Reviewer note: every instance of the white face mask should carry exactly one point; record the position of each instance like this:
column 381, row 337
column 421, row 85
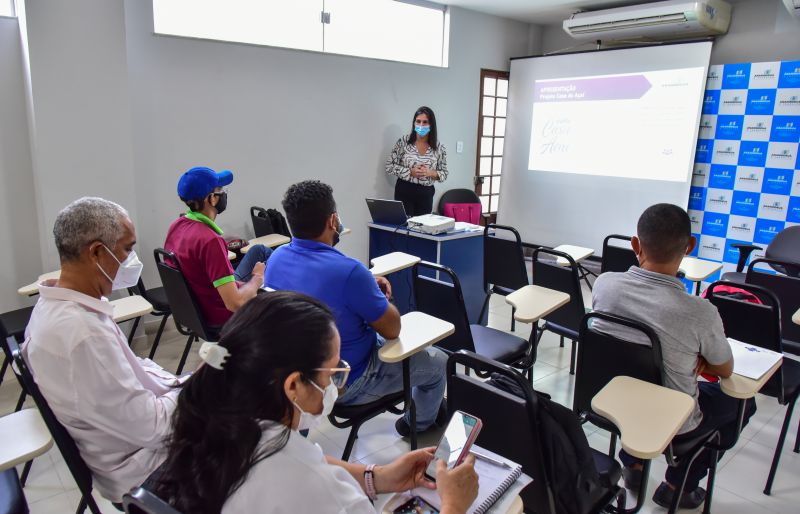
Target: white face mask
column 128, row 273
column 329, row 396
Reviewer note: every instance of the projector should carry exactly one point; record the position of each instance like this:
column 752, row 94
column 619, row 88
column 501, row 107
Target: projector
column 431, row 223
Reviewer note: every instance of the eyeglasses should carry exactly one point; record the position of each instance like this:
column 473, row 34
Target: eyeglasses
column 220, row 193
column 339, row 373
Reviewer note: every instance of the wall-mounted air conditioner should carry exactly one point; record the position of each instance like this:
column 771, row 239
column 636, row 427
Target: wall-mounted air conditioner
column 793, row 6
column 673, row 19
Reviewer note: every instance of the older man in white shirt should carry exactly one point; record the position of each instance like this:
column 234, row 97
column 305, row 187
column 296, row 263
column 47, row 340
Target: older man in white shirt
column 117, row 407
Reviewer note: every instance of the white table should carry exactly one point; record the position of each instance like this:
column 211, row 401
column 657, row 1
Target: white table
column 578, row 253
column 130, row 307
column 270, row 241
column 392, row 262
column 796, row 317
column 33, row 288
column 24, row 436
column 648, row 416
column 696, row 270
column 418, row 331
column 231, row 255
column 531, row 303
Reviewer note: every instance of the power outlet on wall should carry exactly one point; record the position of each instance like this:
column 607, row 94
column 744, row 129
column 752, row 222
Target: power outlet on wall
column 459, row 146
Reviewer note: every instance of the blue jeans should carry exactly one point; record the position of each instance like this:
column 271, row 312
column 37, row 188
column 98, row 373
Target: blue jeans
column 719, row 413
column 256, row 253
column 382, row 378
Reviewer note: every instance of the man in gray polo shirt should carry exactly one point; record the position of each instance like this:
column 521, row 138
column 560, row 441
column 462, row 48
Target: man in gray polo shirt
column 690, row 332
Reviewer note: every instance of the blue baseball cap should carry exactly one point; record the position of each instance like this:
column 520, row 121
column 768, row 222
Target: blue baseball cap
column 198, row 182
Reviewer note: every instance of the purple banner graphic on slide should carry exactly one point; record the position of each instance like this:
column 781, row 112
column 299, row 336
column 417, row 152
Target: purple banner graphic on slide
column 625, row 87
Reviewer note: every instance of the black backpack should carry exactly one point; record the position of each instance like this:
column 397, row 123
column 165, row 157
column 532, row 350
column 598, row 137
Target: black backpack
column 279, row 225
column 568, row 458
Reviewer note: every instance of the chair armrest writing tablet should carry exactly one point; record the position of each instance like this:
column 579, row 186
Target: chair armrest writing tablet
column 535, row 302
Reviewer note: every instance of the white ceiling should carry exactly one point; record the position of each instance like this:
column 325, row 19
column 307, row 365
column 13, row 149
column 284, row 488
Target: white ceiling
column 541, row 12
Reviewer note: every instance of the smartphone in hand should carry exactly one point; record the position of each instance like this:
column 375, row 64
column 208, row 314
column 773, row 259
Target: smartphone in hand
column 456, row 441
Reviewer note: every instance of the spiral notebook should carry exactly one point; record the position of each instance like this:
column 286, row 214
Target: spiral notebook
column 493, row 481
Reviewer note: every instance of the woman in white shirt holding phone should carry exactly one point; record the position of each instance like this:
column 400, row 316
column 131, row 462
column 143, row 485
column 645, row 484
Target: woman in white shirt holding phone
column 235, row 447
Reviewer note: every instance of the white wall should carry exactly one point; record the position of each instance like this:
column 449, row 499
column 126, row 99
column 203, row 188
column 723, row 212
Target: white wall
column 19, row 229
column 277, row 116
column 761, row 30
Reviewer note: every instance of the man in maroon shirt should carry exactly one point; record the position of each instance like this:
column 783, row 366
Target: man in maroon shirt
column 196, row 240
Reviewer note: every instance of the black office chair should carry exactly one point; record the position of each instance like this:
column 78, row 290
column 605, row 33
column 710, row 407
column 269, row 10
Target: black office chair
column 262, row 226
column 142, row 501
column 566, row 320
column 602, row 357
column 353, row 416
column 504, row 268
column 66, row 445
column 760, row 325
column 157, row 297
column 12, row 497
column 784, row 247
column 787, row 289
column 444, row 300
column 13, row 324
column 457, row 196
column 511, row 428
column 617, row 258
column 185, row 311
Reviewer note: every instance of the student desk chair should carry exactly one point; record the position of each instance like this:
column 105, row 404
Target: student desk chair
column 578, row 254
column 796, row 317
column 270, row 241
column 697, row 270
column 418, row 331
column 392, row 262
column 33, row 288
column 25, row 437
column 531, row 303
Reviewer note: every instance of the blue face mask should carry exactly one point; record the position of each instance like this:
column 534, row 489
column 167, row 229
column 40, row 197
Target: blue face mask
column 422, row 130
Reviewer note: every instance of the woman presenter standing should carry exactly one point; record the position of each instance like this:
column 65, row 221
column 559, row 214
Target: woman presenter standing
column 418, row 160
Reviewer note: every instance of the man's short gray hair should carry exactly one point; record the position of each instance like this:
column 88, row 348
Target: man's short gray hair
column 85, row 221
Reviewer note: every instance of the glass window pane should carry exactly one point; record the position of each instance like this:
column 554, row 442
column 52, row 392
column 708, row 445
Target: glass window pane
column 484, row 203
column 501, row 106
column 486, row 163
column 263, row 22
column 383, row 29
column 502, row 87
column 486, row 146
column 489, row 84
column 497, row 165
column 488, row 106
column 7, row 8
column 500, row 127
column 495, row 185
column 488, row 126
column 498, row 145
column 495, row 201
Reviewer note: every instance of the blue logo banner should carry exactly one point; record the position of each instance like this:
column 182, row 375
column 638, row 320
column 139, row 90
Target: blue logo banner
column 777, row 181
column 789, row 75
column 722, row 176
column 736, row 76
column 760, row 101
column 745, row 203
column 729, row 126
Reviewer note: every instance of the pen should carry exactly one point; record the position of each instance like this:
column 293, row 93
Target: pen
column 494, row 461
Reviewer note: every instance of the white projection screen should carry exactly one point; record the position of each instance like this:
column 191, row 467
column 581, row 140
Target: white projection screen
column 594, row 138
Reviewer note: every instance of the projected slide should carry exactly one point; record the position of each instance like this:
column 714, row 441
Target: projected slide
column 637, row 125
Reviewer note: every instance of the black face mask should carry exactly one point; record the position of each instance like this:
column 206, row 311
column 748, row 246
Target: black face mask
column 222, row 204
column 339, row 230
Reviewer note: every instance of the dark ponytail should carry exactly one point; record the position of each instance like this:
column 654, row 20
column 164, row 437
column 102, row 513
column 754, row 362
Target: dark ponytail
column 216, row 436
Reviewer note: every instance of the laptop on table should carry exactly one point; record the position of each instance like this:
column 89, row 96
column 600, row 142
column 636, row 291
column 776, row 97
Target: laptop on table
column 387, row 212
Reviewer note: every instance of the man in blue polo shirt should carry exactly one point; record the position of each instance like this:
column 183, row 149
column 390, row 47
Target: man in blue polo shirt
column 310, row 264
column 196, row 240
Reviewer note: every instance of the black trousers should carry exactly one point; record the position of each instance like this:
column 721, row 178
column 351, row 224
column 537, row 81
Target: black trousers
column 417, row 199
column 719, row 413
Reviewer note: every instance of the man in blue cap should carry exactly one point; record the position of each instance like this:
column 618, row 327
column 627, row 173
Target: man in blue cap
column 196, row 240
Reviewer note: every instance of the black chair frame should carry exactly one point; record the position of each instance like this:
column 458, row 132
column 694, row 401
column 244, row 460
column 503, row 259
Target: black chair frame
column 787, row 289
column 142, row 501
column 754, row 324
column 183, row 304
column 262, row 226
column 600, row 360
column 521, row 441
column 141, row 290
column 564, row 321
column 353, row 416
column 617, row 258
column 504, row 269
column 66, row 445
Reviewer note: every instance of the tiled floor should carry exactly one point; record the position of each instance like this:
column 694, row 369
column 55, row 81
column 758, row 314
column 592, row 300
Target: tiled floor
column 741, row 476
